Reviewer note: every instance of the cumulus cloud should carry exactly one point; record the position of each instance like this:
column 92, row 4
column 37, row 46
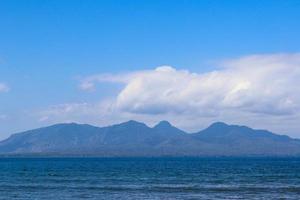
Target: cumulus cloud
column 4, row 87
column 265, row 84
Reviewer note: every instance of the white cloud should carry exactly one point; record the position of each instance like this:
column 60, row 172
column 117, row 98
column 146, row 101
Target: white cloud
column 4, row 87
column 265, row 84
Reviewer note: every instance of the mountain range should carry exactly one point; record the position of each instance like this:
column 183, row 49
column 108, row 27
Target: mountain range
column 134, row 138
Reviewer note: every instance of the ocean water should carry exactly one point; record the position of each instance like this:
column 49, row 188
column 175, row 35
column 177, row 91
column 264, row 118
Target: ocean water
column 149, row 178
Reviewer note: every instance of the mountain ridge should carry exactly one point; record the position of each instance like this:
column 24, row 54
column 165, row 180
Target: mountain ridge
column 133, row 138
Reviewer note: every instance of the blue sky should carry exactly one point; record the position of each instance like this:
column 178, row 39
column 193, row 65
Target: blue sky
column 48, row 47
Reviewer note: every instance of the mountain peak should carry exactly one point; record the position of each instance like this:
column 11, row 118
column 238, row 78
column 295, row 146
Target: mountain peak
column 167, row 129
column 163, row 124
column 131, row 123
column 219, row 124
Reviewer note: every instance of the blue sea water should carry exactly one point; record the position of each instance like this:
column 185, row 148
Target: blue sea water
column 149, row 178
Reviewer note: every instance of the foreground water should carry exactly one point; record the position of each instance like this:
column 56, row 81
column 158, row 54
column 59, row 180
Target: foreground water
column 149, row 178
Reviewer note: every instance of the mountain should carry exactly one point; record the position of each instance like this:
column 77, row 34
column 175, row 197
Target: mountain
column 134, row 138
column 242, row 140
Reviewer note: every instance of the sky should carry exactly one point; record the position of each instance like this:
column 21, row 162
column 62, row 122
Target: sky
column 189, row 62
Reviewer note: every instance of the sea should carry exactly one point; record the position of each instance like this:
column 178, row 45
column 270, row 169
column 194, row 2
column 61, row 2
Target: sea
column 149, row 178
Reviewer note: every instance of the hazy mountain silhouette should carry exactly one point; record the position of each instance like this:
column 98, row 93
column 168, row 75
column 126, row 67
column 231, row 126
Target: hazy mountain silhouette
column 133, row 138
